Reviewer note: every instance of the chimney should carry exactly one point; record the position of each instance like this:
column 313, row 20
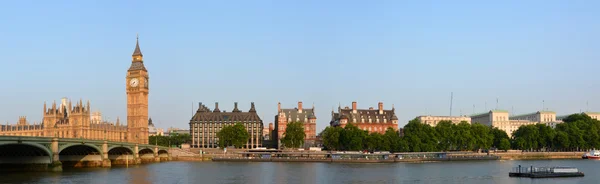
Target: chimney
column 216, row 107
column 278, row 107
column 354, row 107
column 380, row 107
column 299, row 107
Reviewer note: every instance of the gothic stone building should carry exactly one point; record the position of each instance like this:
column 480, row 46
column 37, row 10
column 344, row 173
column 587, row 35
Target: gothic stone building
column 75, row 121
column 305, row 116
column 372, row 120
column 205, row 124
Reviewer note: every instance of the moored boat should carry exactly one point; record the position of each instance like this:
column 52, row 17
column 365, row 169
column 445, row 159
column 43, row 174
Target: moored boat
column 592, row 155
column 545, row 172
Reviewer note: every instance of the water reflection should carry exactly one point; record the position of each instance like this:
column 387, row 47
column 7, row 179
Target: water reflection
column 267, row 172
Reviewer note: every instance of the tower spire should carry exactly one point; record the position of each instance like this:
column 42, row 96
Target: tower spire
column 137, row 51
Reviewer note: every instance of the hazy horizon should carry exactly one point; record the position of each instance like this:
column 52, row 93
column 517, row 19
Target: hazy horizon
column 412, row 55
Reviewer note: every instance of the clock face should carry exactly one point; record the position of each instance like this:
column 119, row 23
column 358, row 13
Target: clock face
column 145, row 82
column 134, row 82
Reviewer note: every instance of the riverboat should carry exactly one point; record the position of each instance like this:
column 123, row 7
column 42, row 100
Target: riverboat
column 592, row 155
column 545, row 172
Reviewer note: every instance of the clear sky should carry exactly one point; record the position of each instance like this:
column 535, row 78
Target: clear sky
column 410, row 54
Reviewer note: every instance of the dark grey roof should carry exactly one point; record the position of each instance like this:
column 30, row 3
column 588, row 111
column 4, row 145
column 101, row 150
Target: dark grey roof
column 294, row 114
column 108, row 126
column 137, row 65
column 205, row 114
column 363, row 115
column 137, row 51
column 20, row 127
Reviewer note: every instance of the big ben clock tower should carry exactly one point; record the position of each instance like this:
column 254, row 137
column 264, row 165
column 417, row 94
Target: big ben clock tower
column 137, row 89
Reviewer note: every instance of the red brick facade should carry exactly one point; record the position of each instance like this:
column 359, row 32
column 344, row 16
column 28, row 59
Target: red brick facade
column 372, row 120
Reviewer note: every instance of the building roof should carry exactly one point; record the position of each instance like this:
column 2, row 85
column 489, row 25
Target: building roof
column 484, row 113
column 591, row 112
column 294, row 114
column 137, row 66
column 363, row 115
column 205, row 114
column 137, row 51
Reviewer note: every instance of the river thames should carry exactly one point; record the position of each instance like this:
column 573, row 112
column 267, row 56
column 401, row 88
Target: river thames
column 279, row 172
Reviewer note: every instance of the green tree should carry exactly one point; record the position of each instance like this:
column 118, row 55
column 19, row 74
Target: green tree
column 446, row 135
column 504, row 144
column 420, row 137
column 235, row 135
column 331, row 138
column 352, row 138
column 482, row 136
column 394, row 140
column 293, row 137
column 464, row 138
column 499, row 135
column 377, row 142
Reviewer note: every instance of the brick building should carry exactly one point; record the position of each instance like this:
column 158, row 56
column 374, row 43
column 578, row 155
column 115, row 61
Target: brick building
column 299, row 114
column 372, row 120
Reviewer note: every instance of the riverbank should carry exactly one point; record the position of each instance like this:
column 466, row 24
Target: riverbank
column 452, row 156
column 540, row 155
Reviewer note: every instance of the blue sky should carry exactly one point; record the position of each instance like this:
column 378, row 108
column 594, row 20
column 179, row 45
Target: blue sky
column 410, row 54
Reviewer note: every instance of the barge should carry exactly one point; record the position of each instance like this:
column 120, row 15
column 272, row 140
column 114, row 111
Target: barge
column 545, row 172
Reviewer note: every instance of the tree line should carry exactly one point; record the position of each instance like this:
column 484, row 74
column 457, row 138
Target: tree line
column 418, row 137
column 172, row 139
column 578, row 132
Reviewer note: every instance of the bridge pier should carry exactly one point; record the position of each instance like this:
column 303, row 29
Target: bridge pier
column 55, row 165
column 105, row 160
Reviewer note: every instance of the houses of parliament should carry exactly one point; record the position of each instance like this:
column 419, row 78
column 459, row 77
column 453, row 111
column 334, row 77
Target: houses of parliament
column 68, row 120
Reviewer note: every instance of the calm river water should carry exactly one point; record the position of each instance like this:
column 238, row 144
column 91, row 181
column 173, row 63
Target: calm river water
column 266, row 172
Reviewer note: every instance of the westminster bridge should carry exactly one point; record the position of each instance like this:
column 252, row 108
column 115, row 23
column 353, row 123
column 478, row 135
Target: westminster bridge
column 52, row 154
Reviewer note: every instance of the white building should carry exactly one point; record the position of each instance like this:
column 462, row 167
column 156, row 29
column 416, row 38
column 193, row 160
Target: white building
column 434, row 120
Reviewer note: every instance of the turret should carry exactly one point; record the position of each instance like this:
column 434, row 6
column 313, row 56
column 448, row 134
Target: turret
column 252, row 109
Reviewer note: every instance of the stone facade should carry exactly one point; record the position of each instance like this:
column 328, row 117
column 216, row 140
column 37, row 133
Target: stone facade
column 434, row 120
column 593, row 115
column 501, row 119
column 372, row 120
column 65, row 120
column 299, row 114
column 137, row 89
column 205, row 125
column 68, row 121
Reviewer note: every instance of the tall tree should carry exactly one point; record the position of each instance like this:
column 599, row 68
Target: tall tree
column 446, row 135
column 395, row 142
column 331, row 137
column 352, row 137
column 293, row 137
column 235, row 135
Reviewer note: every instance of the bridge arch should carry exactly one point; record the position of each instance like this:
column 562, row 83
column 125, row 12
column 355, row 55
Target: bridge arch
column 162, row 151
column 7, row 147
column 80, row 155
column 115, row 150
column 82, row 146
column 146, row 151
column 14, row 156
